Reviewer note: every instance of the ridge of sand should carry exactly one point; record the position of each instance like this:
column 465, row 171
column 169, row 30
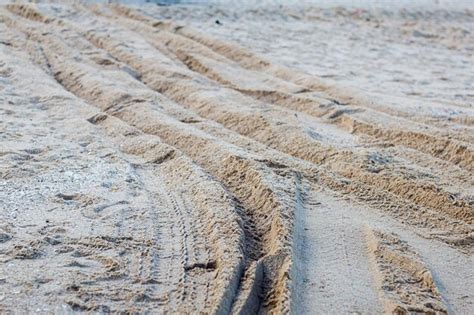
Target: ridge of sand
column 150, row 166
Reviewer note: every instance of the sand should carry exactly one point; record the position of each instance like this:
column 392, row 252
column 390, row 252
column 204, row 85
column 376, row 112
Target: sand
column 286, row 159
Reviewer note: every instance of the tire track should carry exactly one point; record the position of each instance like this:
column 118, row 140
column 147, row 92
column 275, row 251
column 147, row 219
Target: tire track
column 363, row 192
column 268, row 206
column 406, row 283
column 429, row 141
column 205, row 106
column 336, row 276
column 260, row 159
column 260, row 127
column 195, row 251
column 228, row 255
column 252, row 61
column 94, row 271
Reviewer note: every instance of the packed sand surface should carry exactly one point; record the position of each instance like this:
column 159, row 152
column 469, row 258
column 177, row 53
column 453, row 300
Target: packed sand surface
column 236, row 159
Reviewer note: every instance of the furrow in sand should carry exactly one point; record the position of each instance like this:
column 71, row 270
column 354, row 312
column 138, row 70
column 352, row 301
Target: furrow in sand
column 239, row 174
column 276, row 91
column 406, row 282
column 347, row 225
column 260, row 84
column 363, row 121
column 244, row 116
column 333, row 272
column 441, row 147
column 91, row 262
column 194, row 201
column 362, row 191
column 263, row 186
column 174, row 91
column 252, row 61
column 266, row 209
column 153, row 269
column 193, row 54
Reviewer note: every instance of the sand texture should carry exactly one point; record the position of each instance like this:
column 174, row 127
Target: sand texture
column 216, row 159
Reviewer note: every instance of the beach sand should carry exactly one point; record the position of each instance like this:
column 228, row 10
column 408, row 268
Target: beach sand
column 218, row 158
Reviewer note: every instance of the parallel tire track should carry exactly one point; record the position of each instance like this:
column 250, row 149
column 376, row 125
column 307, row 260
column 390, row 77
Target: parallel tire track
column 226, row 148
